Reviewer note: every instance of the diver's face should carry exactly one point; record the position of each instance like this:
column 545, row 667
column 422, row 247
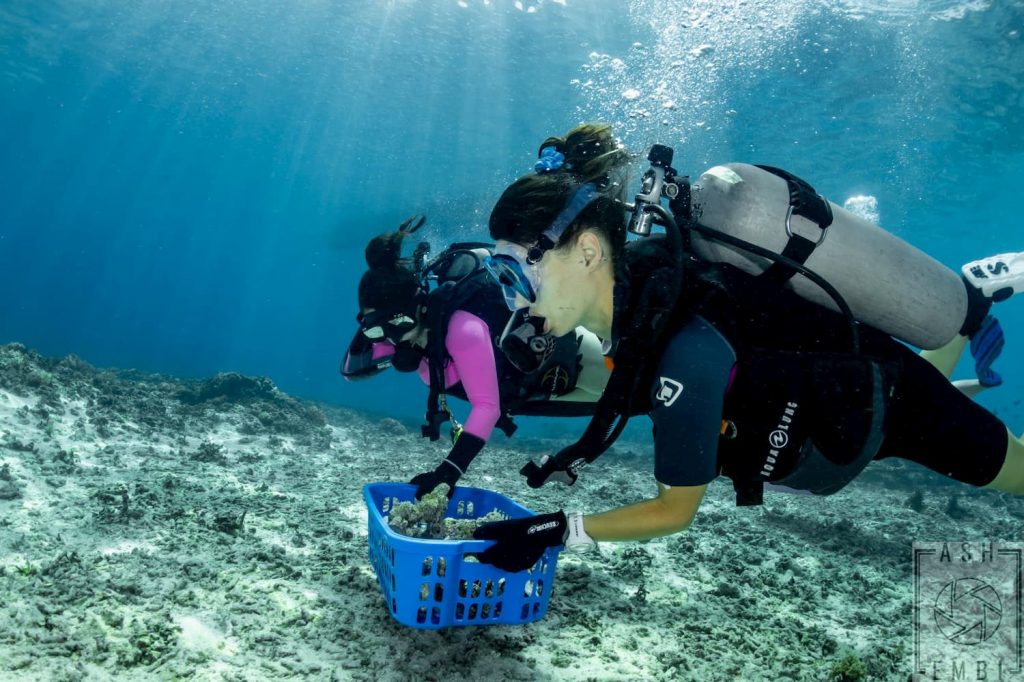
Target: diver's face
column 567, row 289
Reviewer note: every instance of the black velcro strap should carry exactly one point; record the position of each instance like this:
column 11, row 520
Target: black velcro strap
column 749, row 493
column 797, row 248
column 803, row 198
column 806, row 202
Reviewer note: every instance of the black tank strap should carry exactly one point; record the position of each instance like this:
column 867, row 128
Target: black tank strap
column 806, row 202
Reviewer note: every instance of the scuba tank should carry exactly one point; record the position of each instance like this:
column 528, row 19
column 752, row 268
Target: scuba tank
column 887, row 283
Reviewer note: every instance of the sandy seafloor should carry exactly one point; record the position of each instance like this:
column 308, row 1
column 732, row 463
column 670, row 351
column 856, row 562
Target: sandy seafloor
column 154, row 528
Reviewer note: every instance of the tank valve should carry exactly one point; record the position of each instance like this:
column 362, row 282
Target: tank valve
column 658, row 180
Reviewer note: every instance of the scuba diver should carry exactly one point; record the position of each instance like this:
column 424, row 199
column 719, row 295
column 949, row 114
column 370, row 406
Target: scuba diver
column 446, row 319
column 757, row 333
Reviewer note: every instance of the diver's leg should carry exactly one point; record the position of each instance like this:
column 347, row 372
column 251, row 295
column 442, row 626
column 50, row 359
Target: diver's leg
column 1010, row 478
column 930, row 422
column 986, row 344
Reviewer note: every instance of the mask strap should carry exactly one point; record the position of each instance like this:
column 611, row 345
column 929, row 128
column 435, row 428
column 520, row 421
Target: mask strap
column 582, row 198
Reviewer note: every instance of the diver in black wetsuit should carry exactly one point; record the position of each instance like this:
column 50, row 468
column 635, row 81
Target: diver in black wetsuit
column 750, row 382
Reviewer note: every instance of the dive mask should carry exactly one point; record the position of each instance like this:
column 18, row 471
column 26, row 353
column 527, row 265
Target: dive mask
column 515, row 267
column 365, row 358
column 512, row 268
column 390, row 325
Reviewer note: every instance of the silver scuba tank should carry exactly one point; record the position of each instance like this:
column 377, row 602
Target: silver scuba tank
column 888, row 284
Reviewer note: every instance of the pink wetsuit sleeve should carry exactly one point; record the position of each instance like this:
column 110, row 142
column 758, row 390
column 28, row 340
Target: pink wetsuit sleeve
column 469, row 344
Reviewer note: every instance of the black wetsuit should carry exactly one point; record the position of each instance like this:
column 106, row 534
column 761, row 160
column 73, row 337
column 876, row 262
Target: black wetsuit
column 749, row 385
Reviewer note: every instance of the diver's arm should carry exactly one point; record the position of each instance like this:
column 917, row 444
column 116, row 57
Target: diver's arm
column 687, row 397
column 469, row 343
column 670, row 512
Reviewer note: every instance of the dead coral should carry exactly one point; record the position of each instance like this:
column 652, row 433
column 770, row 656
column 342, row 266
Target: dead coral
column 229, row 524
column 114, row 504
column 9, row 490
column 209, row 452
column 231, row 387
column 426, row 518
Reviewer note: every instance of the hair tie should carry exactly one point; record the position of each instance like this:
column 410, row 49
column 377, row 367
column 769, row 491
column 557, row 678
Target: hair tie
column 550, row 160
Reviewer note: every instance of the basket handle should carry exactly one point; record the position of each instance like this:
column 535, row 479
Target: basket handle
column 475, row 546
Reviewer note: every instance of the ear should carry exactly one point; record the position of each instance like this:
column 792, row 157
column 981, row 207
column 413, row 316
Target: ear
column 591, row 248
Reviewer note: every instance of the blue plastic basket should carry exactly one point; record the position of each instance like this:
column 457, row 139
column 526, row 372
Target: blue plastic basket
column 428, row 584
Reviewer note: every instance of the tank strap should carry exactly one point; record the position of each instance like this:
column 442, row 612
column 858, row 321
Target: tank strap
column 803, row 201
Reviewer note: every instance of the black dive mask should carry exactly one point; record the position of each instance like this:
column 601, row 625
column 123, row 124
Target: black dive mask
column 359, row 362
column 406, row 358
column 524, row 342
column 389, row 325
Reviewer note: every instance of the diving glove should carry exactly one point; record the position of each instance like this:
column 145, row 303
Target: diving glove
column 520, row 543
column 451, row 468
column 558, row 468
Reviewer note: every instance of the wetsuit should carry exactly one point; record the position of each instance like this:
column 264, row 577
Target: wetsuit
column 760, row 387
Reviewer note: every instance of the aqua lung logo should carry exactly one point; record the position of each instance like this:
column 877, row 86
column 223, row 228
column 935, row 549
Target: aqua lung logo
column 670, row 391
column 778, row 439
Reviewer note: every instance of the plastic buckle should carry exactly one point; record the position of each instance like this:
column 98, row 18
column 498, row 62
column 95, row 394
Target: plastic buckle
column 789, row 227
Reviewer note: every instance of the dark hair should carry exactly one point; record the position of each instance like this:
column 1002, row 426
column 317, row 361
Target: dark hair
column 387, row 285
column 530, row 204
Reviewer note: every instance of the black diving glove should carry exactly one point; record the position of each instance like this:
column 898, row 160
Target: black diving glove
column 562, row 469
column 466, row 448
column 520, row 543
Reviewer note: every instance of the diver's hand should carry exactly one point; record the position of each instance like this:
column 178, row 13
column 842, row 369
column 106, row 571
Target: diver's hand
column 427, row 481
column 551, row 470
column 466, row 448
column 520, row 543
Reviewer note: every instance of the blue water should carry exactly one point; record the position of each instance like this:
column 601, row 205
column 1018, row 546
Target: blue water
column 186, row 187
